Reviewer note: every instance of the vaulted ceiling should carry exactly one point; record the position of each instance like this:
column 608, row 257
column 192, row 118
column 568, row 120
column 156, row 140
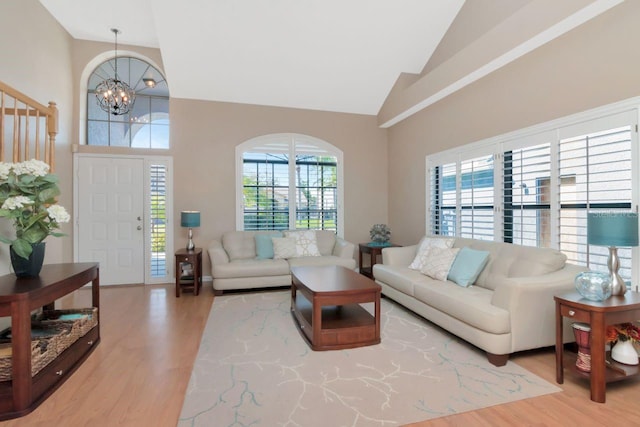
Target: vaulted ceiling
column 388, row 58
column 335, row 55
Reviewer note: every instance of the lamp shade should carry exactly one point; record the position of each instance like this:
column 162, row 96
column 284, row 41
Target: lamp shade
column 190, row 218
column 612, row 229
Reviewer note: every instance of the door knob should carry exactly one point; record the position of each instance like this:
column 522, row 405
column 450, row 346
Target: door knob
column 139, row 227
column 139, row 218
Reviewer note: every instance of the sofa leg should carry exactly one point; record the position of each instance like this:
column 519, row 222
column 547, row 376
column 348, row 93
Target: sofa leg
column 497, row 359
column 217, row 292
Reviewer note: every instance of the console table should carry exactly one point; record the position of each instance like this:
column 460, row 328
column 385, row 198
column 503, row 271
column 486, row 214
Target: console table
column 18, row 298
column 612, row 311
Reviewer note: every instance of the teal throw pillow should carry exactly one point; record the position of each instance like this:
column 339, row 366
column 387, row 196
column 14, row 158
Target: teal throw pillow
column 264, row 244
column 467, row 266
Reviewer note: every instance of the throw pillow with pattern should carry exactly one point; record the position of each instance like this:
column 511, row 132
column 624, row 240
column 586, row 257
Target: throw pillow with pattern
column 306, row 242
column 284, row 247
column 439, row 262
column 425, row 247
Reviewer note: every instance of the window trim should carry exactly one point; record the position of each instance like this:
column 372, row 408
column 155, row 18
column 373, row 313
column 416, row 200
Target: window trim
column 296, row 144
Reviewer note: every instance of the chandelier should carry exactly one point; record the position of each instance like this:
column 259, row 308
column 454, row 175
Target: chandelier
column 115, row 96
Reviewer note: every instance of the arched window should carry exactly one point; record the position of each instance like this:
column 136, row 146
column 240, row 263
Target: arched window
column 147, row 124
column 289, row 181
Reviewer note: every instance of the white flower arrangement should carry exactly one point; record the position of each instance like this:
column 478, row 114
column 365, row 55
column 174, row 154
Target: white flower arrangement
column 28, row 197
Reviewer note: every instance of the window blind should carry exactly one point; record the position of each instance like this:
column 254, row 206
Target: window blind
column 594, row 176
column 527, row 196
column 476, row 193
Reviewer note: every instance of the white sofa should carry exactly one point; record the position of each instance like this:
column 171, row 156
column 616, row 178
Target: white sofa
column 509, row 308
column 234, row 262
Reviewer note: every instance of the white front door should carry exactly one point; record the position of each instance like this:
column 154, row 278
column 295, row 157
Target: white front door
column 110, row 217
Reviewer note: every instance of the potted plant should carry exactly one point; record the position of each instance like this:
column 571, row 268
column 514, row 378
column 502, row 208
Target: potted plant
column 28, row 198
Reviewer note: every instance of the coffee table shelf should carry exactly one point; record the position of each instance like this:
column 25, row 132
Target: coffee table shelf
column 326, row 307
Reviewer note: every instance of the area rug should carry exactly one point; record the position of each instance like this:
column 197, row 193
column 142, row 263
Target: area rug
column 254, row 369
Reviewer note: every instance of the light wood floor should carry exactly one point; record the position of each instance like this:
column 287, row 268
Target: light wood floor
column 139, row 373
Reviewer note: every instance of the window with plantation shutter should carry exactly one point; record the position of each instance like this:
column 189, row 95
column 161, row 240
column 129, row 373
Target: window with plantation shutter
column 595, row 175
column 289, row 181
column 527, row 195
column 442, row 202
column 535, row 187
column 477, row 198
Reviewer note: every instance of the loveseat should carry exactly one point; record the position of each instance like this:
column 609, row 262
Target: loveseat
column 507, row 307
column 246, row 259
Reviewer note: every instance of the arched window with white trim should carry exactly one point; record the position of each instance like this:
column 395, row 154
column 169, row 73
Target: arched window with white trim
column 147, row 124
column 289, row 181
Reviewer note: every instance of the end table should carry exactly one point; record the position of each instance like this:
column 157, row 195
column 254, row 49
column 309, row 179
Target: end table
column 614, row 310
column 193, row 257
column 373, row 250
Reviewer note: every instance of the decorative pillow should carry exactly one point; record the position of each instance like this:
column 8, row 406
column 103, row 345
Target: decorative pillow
column 306, row 242
column 264, row 245
column 439, row 262
column 284, row 247
column 467, row 266
column 423, row 250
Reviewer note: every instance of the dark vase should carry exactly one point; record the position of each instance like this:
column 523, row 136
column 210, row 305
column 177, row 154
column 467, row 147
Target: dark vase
column 28, row 267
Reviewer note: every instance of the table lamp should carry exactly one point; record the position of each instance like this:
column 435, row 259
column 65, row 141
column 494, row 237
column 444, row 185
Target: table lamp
column 190, row 219
column 613, row 229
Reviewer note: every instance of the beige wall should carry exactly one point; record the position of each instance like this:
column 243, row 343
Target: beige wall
column 593, row 65
column 36, row 60
column 205, row 135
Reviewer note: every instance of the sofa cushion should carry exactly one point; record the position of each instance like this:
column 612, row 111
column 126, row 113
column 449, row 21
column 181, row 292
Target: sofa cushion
column 264, row 244
column 438, row 262
column 397, row 277
column 532, row 261
column 239, row 244
column 349, row 263
column 251, row 268
column 469, row 305
column 326, row 240
column 284, row 247
column 306, row 242
column 424, row 246
column 467, row 266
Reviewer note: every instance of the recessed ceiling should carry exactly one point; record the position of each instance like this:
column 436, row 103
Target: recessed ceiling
column 332, row 55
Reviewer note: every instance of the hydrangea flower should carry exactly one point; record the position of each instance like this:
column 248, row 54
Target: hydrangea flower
column 17, row 202
column 5, row 169
column 58, row 213
column 31, row 167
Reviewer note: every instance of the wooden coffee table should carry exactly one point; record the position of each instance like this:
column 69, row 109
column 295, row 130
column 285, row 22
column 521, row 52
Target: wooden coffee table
column 326, row 307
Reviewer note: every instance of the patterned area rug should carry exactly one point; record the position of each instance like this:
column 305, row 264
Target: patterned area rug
column 254, row 369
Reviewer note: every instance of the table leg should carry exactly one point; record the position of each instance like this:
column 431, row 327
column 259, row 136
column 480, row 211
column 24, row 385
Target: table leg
column 177, row 278
column 21, row 349
column 316, row 323
column 559, row 346
column 360, row 260
column 598, row 364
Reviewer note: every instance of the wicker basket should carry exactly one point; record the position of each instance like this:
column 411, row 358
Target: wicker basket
column 49, row 338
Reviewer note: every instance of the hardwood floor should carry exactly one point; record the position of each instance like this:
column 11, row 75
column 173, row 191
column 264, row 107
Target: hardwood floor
column 139, row 373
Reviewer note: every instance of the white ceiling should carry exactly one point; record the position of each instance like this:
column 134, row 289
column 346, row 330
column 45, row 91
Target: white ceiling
column 332, row 55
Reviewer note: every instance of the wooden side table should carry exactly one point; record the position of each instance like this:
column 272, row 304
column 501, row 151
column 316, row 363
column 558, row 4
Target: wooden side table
column 373, row 251
column 615, row 310
column 194, row 258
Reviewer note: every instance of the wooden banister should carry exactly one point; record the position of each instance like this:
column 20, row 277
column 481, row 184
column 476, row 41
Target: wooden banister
column 28, row 117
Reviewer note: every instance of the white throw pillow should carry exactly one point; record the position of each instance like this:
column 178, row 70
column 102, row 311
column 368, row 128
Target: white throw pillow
column 284, row 247
column 423, row 251
column 439, row 262
column 306, row 242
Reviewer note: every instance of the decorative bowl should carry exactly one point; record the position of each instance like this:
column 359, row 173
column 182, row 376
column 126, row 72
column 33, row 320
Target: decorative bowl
column 593, row 285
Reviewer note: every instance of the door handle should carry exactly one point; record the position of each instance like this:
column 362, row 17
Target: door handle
column 139, row 227
column 139, row 218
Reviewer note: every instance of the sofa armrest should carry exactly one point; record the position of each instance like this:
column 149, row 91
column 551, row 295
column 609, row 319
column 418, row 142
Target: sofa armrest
column 399, row 256
column 343, row 249
column 531, row 307
column 217, row 255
